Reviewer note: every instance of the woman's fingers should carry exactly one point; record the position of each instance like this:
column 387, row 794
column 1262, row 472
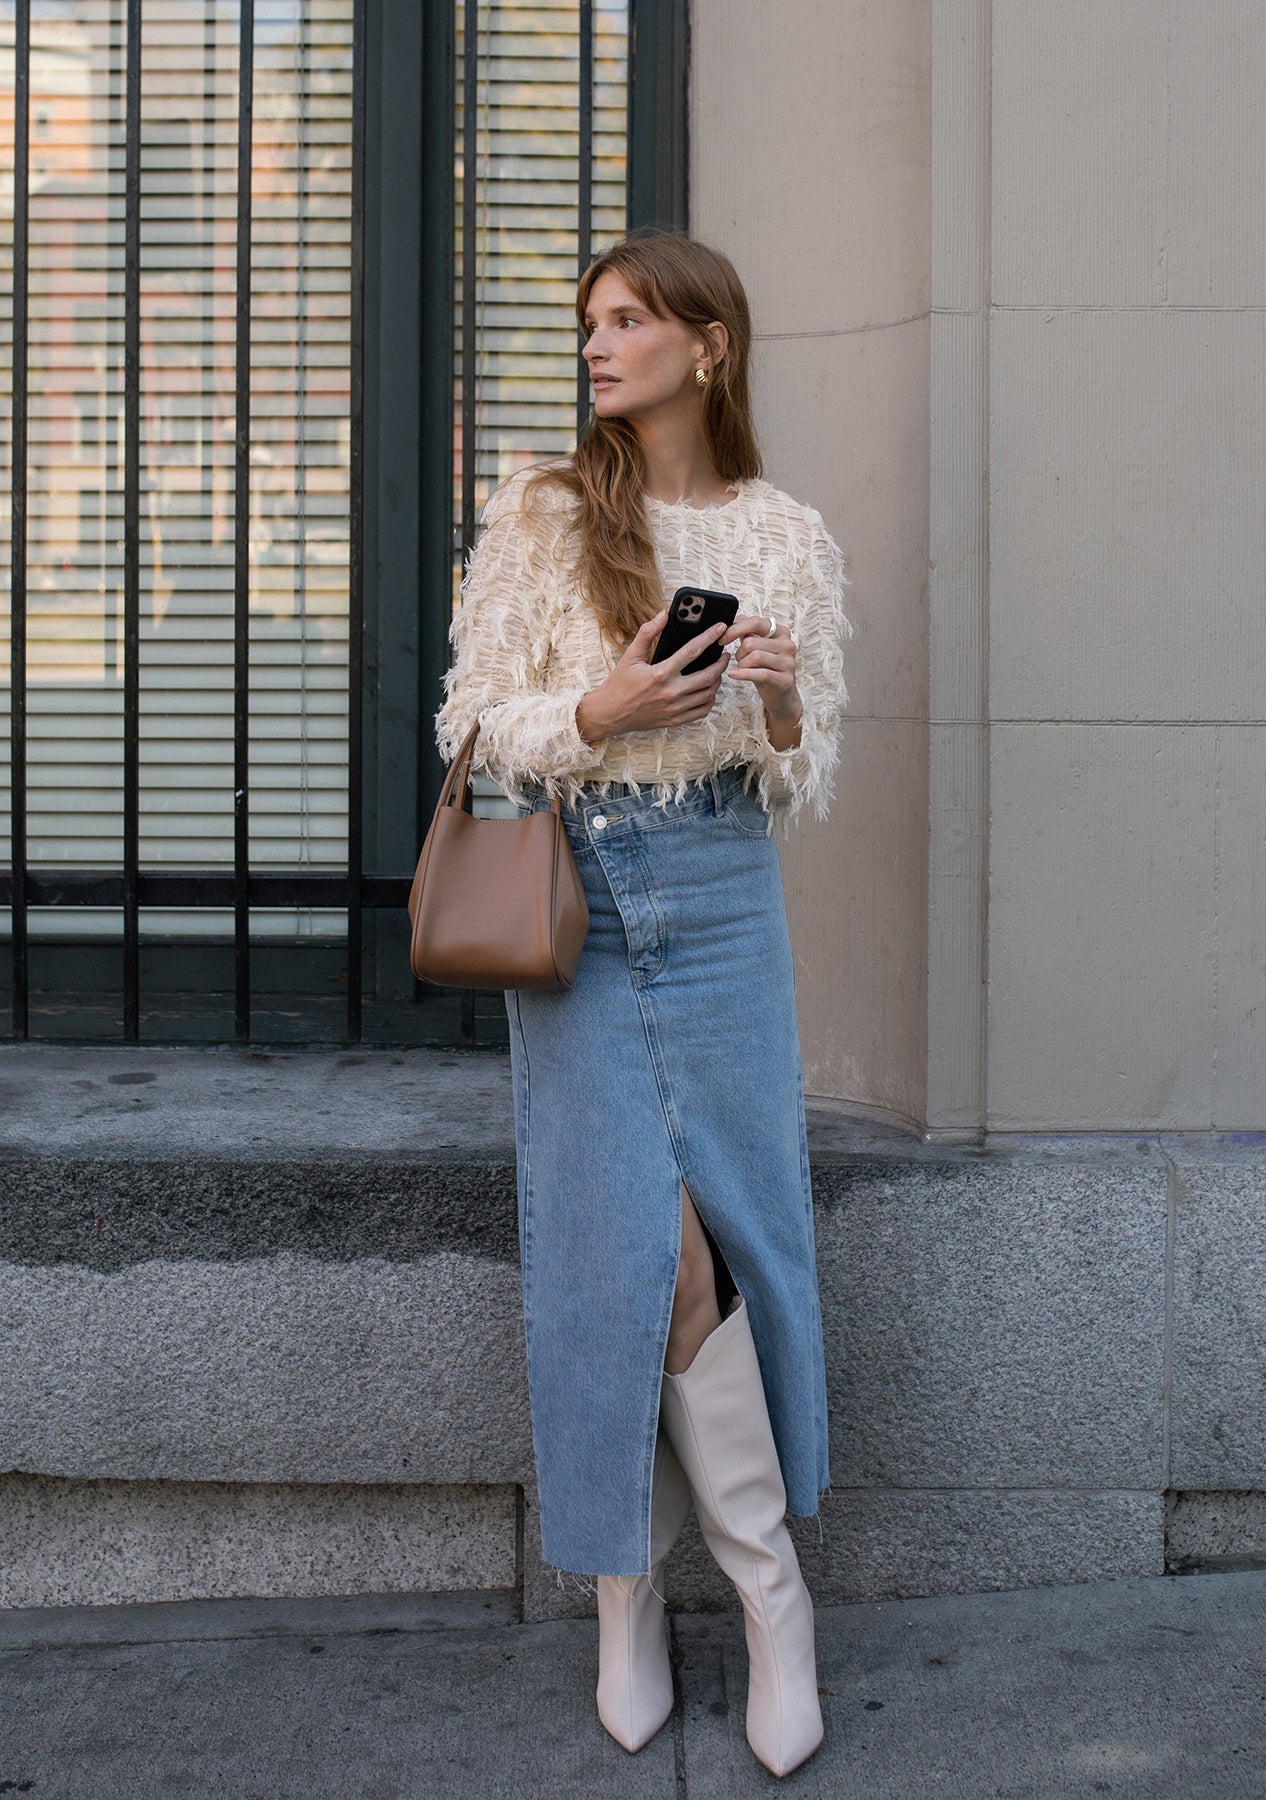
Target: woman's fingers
column 706, row 677
column 643, row 641
column 768, row 655
column 762, row 652
column 772, row 679
column 772, row 664
column 674, row 664
column 747, row 625
column 753, row 629
column 651, row 695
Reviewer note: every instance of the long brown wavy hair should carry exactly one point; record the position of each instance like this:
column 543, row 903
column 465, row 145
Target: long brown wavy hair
column 675, row 277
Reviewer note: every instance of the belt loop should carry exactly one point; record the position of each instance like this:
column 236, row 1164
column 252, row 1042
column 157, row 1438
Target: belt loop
column 717, row 803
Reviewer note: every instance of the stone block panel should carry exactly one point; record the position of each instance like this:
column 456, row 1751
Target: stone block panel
column 107, row 1543
column 819, row 400
column 1102, row 931
column 1239, row 1074
column 960, row 153
column 826, row 212
column 1078, row 155
column 1219, row 1331
column 994, row 1326
column 958, row 534
column 957, row 852
column 857, row 907
column 883, row 1544
column 1127, row 532
column 283, row 1368
column 1216, row 249
column 1216, row 1533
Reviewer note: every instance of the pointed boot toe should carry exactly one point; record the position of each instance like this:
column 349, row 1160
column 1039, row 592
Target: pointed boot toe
column 635, row 1678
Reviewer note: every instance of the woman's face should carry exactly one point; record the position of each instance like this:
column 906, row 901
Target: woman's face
column 638, row 363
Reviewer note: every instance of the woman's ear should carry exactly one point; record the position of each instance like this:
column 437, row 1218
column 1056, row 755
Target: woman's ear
column 714, row 341
column 718, row 340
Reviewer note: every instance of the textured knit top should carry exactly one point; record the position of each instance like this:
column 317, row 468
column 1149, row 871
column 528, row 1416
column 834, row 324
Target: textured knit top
column 528, row 648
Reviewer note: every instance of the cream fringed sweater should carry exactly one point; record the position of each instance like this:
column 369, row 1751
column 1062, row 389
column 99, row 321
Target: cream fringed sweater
column 528, row 648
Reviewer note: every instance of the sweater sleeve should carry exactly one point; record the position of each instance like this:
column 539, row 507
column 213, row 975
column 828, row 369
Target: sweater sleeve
column 501, row 636
column 791, row 779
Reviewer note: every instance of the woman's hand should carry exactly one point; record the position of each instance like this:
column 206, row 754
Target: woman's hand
column 769, row 661
column 639, row 695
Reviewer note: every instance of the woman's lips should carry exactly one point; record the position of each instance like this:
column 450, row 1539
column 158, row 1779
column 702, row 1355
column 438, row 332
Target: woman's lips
column 602, row 381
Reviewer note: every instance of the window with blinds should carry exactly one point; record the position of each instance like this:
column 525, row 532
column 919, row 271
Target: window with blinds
column 299, row 456
column 534, row 179
column 523, row 255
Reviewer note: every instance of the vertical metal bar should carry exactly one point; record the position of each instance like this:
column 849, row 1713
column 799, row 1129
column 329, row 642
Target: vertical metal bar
column 303, row 59
column 207, row 248
column 115, row 109
column 470, row 325
column 470, row 216
column 241, row 537
column 436, row 447
column 17, row 541
column 355, row 537
column 132, row 529
column 584, row 189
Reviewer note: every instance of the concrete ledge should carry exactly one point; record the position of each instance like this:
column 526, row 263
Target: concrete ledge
column 293, row 1280
column 190, row 1104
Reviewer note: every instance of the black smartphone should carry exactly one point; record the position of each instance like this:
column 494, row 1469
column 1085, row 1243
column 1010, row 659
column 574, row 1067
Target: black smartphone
column 692, row 610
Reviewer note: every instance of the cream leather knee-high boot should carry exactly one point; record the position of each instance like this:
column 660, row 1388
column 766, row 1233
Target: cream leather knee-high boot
column 717, row 1419
column 635, row 1682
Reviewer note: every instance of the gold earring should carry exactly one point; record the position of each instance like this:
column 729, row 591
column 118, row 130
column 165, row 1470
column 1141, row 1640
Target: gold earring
column 701, row 377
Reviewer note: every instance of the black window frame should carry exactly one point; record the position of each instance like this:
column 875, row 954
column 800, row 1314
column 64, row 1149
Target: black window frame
column 402, row 526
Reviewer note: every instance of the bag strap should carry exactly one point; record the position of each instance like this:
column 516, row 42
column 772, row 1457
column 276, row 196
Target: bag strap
column 459, row 771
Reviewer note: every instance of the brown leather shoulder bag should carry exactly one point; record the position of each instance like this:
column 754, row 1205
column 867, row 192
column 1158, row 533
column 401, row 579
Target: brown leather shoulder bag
column 495, row 903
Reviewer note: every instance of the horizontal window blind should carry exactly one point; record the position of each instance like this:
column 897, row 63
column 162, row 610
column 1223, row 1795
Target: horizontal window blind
column 214, row 219
column 525, row 252
column 299, row 329
column 550, row 85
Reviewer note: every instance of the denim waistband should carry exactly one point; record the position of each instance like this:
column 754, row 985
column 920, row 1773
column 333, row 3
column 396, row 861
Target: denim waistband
column 619, row 800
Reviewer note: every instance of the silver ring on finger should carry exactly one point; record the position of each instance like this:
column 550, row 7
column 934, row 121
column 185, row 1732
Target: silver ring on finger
column 773, row 626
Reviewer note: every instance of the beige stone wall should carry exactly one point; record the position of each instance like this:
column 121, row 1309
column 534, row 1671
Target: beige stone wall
column 810, row 164
column 1127, row 643
column 1010, row 284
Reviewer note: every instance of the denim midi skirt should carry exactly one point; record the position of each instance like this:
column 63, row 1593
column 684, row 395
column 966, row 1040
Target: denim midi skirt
column 674, row 1058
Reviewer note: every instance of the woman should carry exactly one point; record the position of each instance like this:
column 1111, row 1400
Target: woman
column 670, row 1295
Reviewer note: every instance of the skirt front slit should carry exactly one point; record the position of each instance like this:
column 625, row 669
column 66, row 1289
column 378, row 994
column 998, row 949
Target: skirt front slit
column 674, row 1059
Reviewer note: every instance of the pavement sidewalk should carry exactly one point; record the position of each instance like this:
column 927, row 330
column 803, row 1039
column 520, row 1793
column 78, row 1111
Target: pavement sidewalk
column 1149, row 1687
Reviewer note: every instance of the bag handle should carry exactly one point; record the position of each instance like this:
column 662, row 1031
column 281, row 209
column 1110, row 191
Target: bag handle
column 459, row 767
column 459, row 770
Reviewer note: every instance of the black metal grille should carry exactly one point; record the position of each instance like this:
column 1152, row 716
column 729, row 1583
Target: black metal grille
column 657, row 85
column 130, row 888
